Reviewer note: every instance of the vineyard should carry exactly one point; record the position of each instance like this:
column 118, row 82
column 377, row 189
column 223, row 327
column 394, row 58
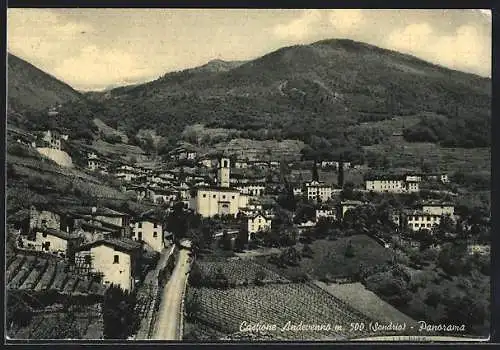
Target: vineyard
column 237, row 271
column 225, row 309
column 31, row 273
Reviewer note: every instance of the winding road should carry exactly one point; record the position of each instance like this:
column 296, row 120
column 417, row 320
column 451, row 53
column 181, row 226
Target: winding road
column 168, row 326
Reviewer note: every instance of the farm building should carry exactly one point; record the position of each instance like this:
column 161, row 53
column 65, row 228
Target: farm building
column 52, row 241
column 116, row 259
column 104, row 215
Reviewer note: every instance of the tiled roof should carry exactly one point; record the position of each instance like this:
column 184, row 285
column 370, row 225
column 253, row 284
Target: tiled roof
column 121, row 244
column 57, row 233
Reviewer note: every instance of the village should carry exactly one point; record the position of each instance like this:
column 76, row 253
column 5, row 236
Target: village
column 254, row 206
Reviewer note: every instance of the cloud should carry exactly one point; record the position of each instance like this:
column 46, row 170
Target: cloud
column 466, row 49
column 108, row 66
column 346, row 21
column 41, row 33
column 299, row 28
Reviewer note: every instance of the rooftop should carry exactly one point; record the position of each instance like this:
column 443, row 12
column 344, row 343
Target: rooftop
column 57, row 233
column 122, row 244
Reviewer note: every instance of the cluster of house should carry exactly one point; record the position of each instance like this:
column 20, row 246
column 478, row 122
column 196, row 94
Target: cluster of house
column 112, row 242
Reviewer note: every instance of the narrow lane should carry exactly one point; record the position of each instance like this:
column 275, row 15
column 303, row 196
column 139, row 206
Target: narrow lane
column 169, row 314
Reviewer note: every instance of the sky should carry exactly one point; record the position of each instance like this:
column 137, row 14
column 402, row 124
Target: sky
column 95, row 49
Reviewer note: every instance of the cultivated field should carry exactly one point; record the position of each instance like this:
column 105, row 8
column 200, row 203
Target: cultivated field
column 225, row 310
column 329, row 260
column 237, row 271
column 88, row 321
column 360, row 298
column 262, row 150
column 406, row 154
column 27, row 272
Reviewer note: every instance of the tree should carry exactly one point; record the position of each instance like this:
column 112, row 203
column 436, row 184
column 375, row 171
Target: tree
column 193, row 304
column 18, row 313
column 349, row 251
column 307, row 251
column 226, row 241
column 241, row 240
column 119, row 313
column 260, row 276
column 315, row 175
column 195, row 276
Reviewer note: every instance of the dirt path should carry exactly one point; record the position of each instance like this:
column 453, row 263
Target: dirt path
column 169, row 315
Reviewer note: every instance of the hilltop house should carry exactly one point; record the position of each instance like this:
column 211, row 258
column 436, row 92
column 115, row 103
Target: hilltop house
column 116, row 259
column 149, row 229
column 318, row 191
column 51, row 139
column 221, row 199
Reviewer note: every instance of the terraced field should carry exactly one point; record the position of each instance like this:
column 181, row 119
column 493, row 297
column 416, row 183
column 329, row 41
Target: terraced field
column 28, row 272
column 237, row 271
column 225, row 310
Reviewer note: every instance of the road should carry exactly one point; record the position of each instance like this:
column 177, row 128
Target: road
column 169, row 314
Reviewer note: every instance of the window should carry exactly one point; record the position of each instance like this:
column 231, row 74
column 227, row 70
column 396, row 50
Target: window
column 213, row 196
column 155, row 234
column 116, row 259
column 232, row 197
column 139, row 225
column 204, row 196
column 155, row 225
column 44, row 234
column 223, row 196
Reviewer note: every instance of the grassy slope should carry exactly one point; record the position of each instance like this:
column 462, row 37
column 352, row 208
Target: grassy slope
column 340, row 79
column 329, row 260
column 32, row 89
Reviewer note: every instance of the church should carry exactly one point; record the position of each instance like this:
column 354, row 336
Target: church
column 222, row 199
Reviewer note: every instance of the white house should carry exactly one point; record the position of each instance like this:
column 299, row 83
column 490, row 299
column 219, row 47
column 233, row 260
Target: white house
column 325, row 212
column 252, row 189
column 52, row 138
column 51, row 240
column 394, row 184
column 259, row 222
column 93, row 161
column 116, row 259
column 240, row 164
column 318, row 191
column 416, row 220
column 150, row 231
column 437, row 208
